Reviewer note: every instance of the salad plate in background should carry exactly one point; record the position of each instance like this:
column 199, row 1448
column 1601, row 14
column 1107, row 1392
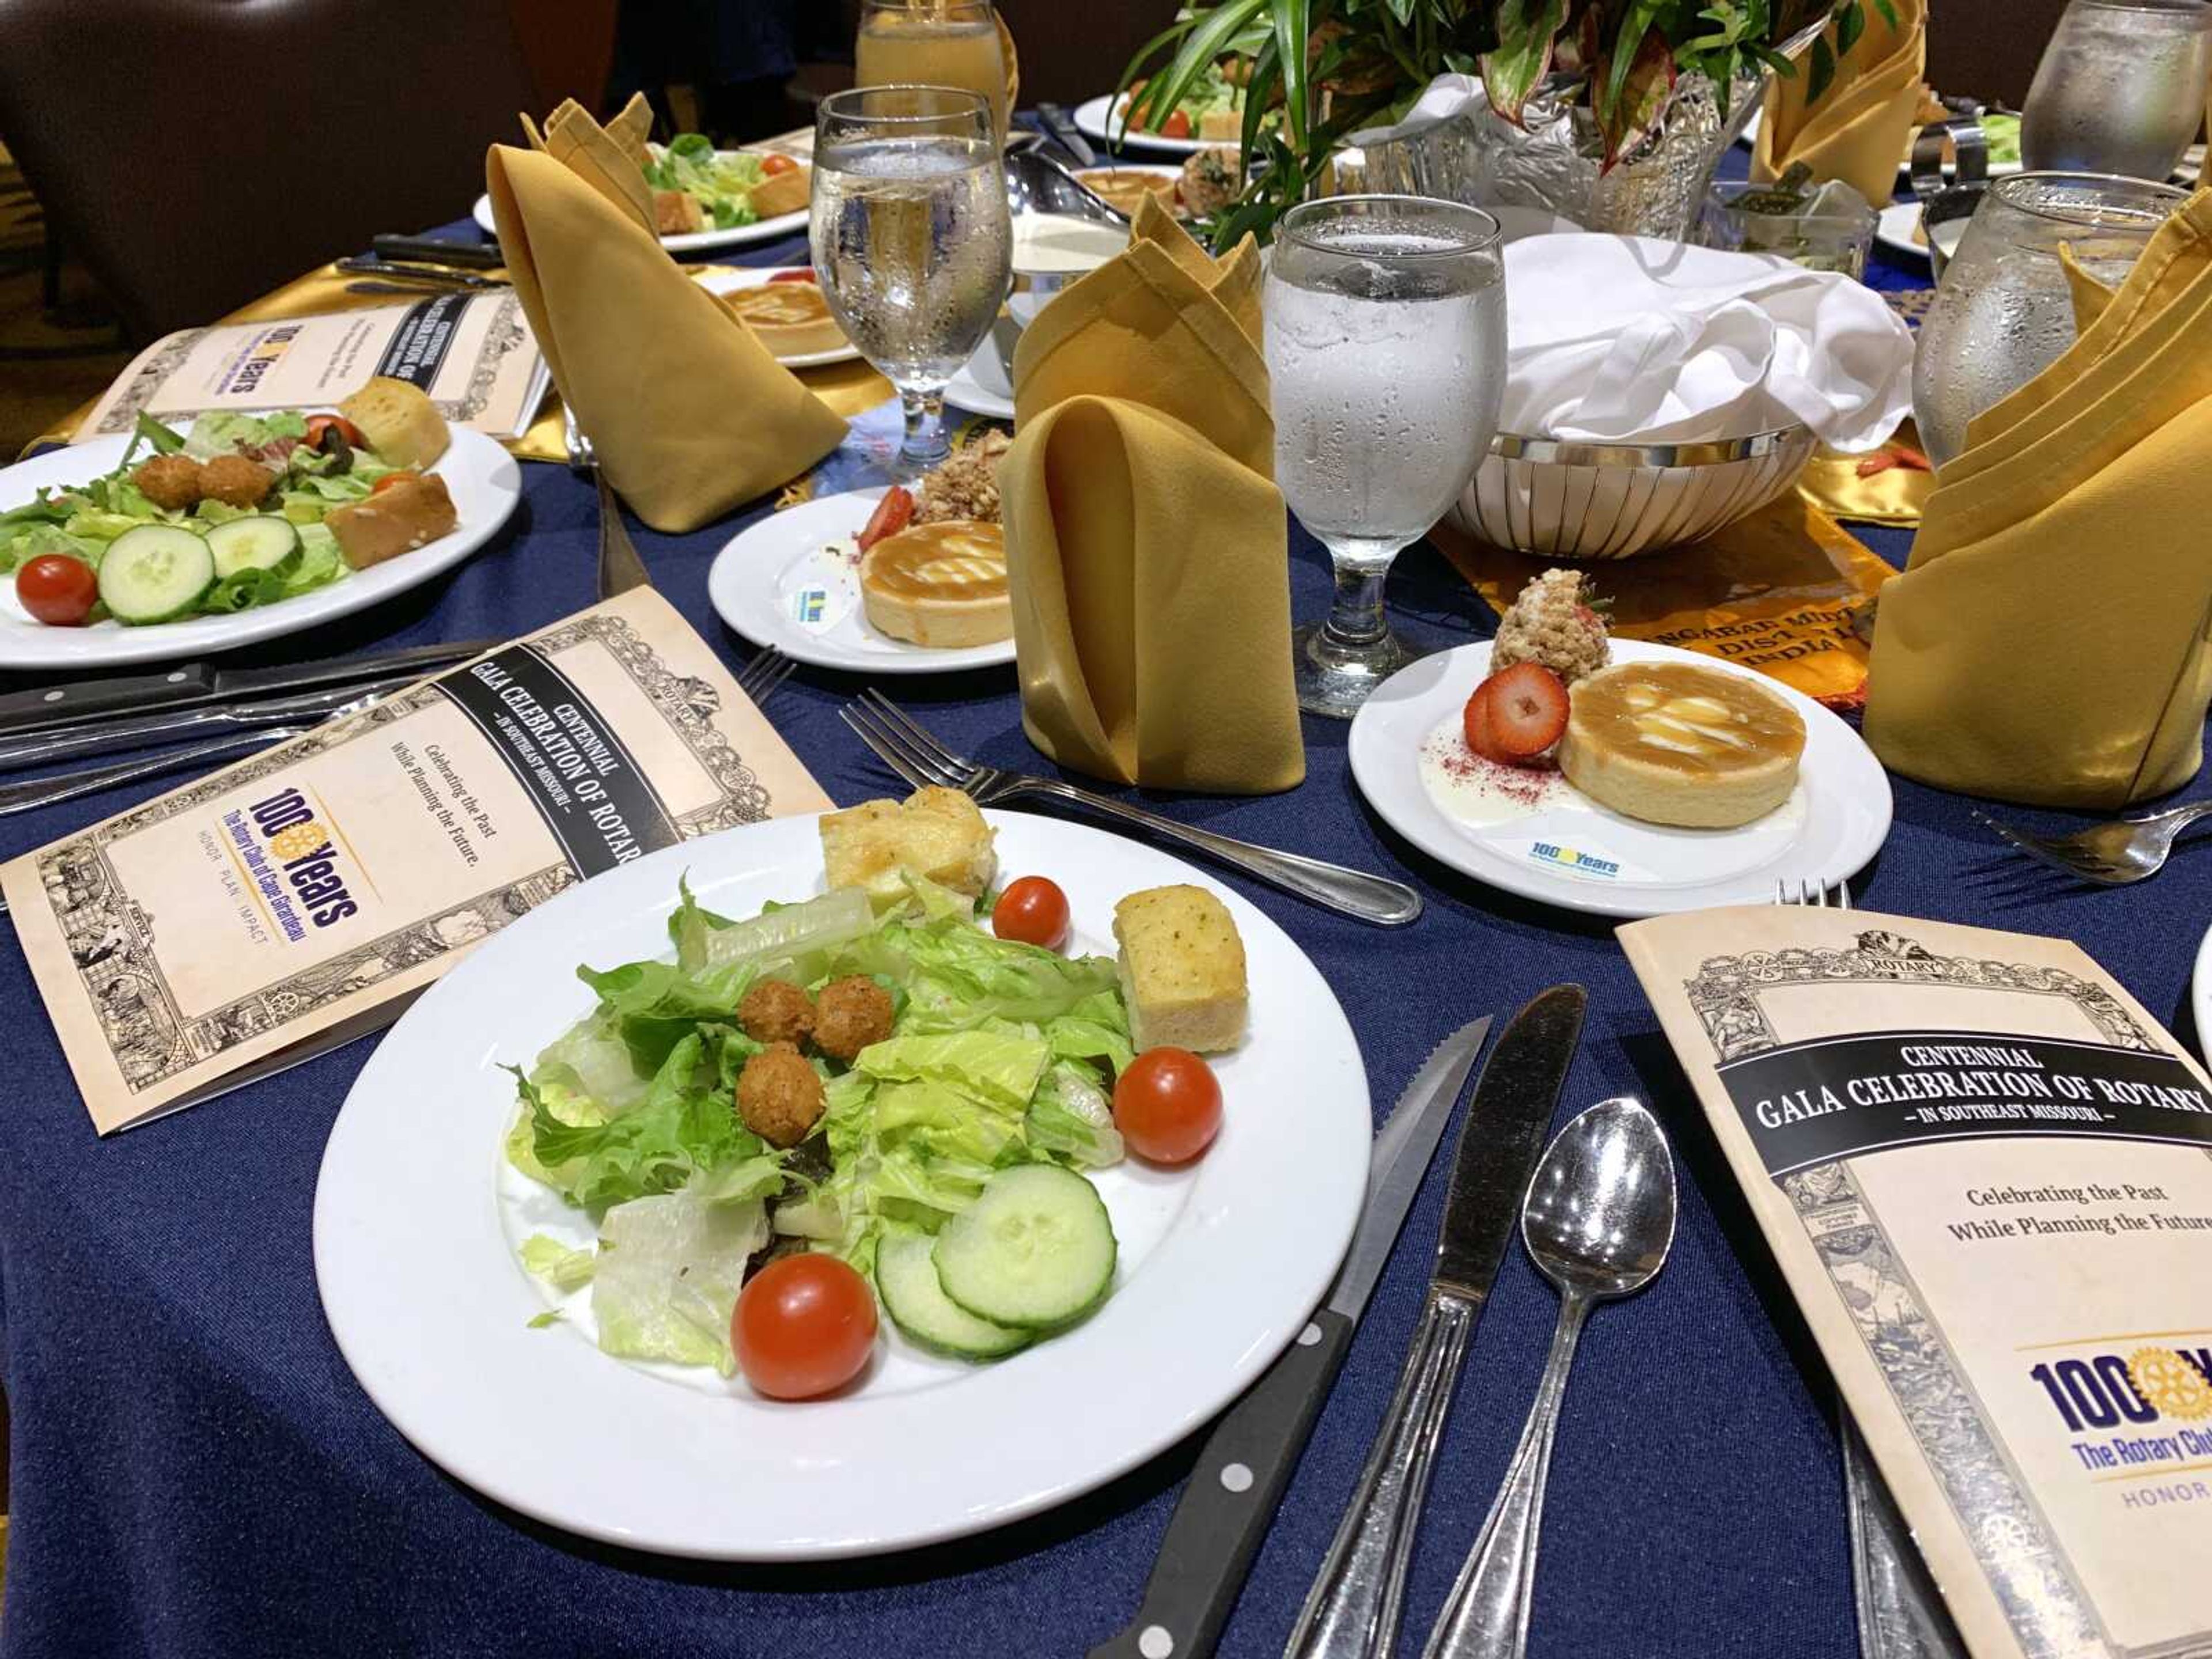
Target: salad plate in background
column 1106, row 119
column 309, row 584
column 720, row 182
column 484, row 1366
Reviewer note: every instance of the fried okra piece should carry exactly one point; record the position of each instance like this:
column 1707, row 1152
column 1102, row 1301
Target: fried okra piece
column 170, row 482
column 776, row 1010
column 850, row 1014
column 779, row 1095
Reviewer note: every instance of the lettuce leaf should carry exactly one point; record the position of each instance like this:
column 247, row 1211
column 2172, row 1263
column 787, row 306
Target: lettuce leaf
column 564, row 1269
column 668, row 1277
column 998, row 1067
column 685, row 1126
column 1073, row 1119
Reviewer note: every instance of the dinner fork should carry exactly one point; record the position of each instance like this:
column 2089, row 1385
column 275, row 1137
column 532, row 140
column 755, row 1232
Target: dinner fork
column 921, row 759
column 760, row 679
column 1899, row 1616
column 2111, row 855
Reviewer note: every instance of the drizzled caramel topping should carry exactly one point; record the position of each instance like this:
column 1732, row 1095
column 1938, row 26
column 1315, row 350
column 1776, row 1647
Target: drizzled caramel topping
column 779, row 305
column 1684, row 718
column 955, row 559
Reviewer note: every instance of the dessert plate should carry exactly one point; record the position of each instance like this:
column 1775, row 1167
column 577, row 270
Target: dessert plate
column 793, row 581
column 1533, row 833
column 418, row 1221
column 729, row 280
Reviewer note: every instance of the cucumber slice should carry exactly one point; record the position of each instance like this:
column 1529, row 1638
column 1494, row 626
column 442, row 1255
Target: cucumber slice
column 1035, row 1249
column 155, row 573
column 259, row 540
column 918, row 1306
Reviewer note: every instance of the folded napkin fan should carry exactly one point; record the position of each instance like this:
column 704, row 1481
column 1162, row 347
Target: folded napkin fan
column 1858, row 128
column 1627, row 339
column 2048, row 640
column 690, row 416
column 1145, row 539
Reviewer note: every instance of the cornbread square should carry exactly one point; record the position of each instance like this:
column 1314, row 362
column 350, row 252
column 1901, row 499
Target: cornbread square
column 1182, row 966
column 936, row 833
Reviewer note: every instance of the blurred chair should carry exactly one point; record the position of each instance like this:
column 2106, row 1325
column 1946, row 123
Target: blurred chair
column 222, row 148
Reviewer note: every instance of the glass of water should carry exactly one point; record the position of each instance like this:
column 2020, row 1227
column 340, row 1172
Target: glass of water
column 1386, row 352
column 2120, row 88
column 2003, row 313
column 911, row 239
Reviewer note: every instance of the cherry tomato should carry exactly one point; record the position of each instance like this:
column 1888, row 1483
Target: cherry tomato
column 772, row 165
column 58, row 589
column 892, row 514
column 1032, row 910
column 1168, row 1105
column 388, row 480
column 802, row 274
column 805, row 1325
column 319, row 424
column 1177, row 126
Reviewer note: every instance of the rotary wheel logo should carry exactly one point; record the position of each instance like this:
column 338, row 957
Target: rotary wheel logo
column 298, row 841
column 2170, row 1382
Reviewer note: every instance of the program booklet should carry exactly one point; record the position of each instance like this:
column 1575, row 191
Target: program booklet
column 302, row 897
column 473, row 354
column 1986, row 1173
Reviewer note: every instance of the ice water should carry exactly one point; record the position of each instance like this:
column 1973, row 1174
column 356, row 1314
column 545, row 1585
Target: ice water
column 1386, row 382
column 911, row 245
column 2119, row 89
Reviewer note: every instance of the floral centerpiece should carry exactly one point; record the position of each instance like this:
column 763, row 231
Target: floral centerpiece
column 1309, row 72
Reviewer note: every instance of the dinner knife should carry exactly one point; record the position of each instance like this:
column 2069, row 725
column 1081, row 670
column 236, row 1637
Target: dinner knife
column 1064, row 133
column 1239, row 1477
column 437, row 251
column 1352, row 1610
column 110, row 737
column 84, row 701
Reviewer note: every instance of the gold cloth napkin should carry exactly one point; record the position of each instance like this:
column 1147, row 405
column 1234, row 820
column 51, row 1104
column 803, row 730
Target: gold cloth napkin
column 690, row 415
column 1146, row 541
column 1891, row 485
column 1858, row 130
column 1780, row 590
column 2047, row 642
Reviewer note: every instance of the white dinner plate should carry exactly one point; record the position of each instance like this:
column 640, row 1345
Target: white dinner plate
column 1566, row 850
column 1093, row 116
column 418, row 1220
column 695, row 242
column 2200, row 995
column 728, row 280
column 1896, row 226
column 793, row 581
column 481, row 476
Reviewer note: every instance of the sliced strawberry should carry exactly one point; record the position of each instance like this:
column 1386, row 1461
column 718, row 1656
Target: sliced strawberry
column 797, row 274
column 892, row 514
column 1481, row 737
column 1527, row 710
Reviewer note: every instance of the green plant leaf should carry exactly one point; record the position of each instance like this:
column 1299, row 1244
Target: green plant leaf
column 1627, row 48
column 1820, row 73
column 1293, row 29
column 1851, row 24
column 1526, row 32
column 1266, row 76
column 1643, row 92
column 1144, row 54
column 1888, row 13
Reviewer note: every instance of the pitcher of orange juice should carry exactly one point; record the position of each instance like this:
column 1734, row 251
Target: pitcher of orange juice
column 937, row 43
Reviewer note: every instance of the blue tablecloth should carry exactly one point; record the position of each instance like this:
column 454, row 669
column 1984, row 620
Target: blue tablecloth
column 196, row 1472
